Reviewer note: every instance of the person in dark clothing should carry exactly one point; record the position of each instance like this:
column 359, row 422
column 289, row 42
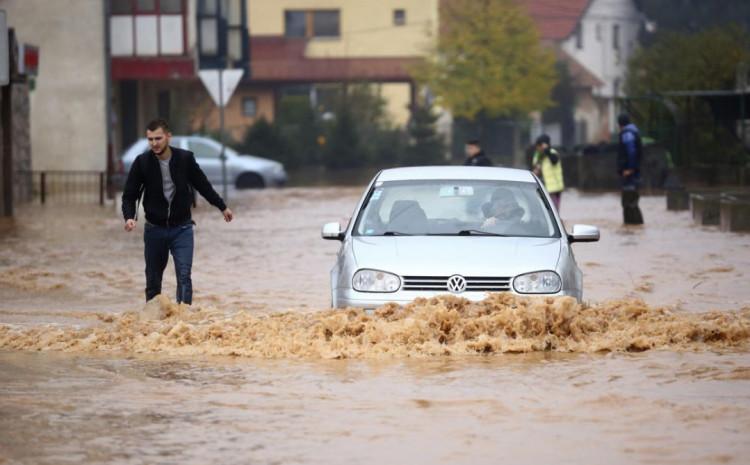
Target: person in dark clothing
column 166, row 176
column 630, row 152
column 474, row 154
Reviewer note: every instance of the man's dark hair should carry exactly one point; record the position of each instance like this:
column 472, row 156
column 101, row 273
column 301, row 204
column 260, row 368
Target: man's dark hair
column 158, row 123
column 623, row 119
column 473, row 142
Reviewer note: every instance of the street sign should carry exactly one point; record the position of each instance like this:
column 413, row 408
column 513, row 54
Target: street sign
column 221, row 86
column 4, row 51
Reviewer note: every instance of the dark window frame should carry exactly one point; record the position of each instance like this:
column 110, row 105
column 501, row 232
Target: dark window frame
column 579, row 36
column 221, row 59
column 399, row 17
column 309, row 20
column 616, row 36
column 245, row 100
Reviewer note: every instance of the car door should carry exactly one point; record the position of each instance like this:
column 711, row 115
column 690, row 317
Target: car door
column 207, row 155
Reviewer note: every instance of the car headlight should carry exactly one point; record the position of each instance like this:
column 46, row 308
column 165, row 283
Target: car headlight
column 375, row 281
column 539, row 282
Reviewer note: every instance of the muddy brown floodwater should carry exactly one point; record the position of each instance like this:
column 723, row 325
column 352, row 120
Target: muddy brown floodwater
column 654, row 366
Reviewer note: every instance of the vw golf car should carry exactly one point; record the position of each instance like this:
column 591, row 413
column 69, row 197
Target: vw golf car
column 469, row 231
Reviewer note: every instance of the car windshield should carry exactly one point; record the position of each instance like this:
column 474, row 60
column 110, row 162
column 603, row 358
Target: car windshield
column 466, row 207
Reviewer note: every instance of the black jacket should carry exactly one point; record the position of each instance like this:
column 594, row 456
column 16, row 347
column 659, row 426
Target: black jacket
column 145, row 175
column 480, row 159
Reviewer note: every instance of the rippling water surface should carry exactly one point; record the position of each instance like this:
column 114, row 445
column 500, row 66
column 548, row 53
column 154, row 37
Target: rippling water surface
column 653, row 368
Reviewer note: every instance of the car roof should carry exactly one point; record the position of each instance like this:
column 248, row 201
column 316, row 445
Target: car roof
column 485, row 173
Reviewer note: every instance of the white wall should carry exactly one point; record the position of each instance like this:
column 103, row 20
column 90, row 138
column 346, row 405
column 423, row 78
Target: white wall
column 68, row 123
column 599, row 55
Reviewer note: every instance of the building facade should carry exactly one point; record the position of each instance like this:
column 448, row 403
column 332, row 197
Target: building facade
column 68, row 128
column 593, row 39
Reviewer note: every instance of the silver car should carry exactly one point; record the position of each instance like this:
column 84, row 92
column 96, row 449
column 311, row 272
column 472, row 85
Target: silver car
column 469, row 231
column 243, row 171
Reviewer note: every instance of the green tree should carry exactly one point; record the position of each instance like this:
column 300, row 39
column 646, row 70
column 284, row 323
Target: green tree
column 707, row 60
column 488, row 61
column 704, row 61
column 343, row 148
column 264, row 139
column 426, row 145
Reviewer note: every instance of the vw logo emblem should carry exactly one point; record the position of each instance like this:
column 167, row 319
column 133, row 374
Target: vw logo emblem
column 456, row 284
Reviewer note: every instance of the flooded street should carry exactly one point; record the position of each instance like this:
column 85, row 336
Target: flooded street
column 653, row 368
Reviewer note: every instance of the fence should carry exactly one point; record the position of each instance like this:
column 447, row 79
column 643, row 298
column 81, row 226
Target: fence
column 67, row 186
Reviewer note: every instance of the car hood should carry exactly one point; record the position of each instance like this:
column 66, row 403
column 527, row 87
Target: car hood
column 463, row 255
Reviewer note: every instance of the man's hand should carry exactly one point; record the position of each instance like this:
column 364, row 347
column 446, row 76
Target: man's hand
column 228, row 215
column 627, row 172
column 130, row 225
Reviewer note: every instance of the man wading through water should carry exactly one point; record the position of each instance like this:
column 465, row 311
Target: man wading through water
column 629, row 156
column 166, row 176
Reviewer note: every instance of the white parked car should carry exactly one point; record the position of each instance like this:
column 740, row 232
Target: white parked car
column 425, row 231
column 243, row 171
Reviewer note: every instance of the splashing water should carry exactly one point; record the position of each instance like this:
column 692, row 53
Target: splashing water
column 445, row 325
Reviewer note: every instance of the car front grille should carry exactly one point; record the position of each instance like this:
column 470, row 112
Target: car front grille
column 440, row 284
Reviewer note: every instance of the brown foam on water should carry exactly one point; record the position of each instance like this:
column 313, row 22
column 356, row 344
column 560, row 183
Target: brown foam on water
column 444, row 325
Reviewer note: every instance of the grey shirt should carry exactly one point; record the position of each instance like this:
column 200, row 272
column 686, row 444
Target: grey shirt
column 166, row 180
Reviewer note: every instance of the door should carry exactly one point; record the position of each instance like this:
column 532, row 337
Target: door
column 207, row 155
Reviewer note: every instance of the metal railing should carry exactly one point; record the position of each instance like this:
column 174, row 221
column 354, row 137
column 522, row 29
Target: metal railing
column 68, row 186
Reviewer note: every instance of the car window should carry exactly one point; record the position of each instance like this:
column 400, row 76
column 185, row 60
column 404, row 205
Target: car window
column 203, row 149
column 449, row 207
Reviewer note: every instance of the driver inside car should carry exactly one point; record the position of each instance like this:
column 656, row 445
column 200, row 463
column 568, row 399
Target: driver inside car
column 503, row 213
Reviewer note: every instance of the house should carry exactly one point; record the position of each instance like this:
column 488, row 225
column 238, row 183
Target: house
column 287, row 47
column 594, row 39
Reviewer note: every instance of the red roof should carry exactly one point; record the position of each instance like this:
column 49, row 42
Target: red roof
column 556, row 19
column 279, row 58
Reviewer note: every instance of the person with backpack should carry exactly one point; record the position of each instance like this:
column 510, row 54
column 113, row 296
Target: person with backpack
column 166, row 177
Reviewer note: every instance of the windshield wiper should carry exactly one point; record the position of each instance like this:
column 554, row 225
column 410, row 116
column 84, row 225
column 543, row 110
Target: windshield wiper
column 395, row 233
column 478, row 232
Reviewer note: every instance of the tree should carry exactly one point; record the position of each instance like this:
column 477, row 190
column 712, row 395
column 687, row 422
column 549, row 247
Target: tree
column 426, row 144
column 264, row 139
column 488, row 60
column 707, row 60
column 343, row 148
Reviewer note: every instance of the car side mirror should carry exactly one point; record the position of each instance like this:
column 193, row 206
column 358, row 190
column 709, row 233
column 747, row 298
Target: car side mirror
column 584, row 233
column 332, row 232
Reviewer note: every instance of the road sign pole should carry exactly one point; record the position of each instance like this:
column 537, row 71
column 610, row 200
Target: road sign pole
column 221, row 135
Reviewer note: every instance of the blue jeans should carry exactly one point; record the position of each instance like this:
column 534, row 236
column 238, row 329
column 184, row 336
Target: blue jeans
column 159, row 242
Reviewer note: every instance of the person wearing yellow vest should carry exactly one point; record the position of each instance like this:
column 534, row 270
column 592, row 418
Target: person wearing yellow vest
column 546, row 163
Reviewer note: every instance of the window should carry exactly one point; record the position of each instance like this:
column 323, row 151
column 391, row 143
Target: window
column 170, row 7
column 147, row 27
column 146, row 6
column 399, row 17
column 249, row 107
column 449, row 207
column 579, row 36
column 599, row 32
column 326, row 23
column 222, row 33
column 616, row 37
column 203, row 149
column 295, row 23
column 318, row 23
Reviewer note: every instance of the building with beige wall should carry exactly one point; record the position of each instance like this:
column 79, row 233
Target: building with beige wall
column 314, row 42
column 68, row 102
